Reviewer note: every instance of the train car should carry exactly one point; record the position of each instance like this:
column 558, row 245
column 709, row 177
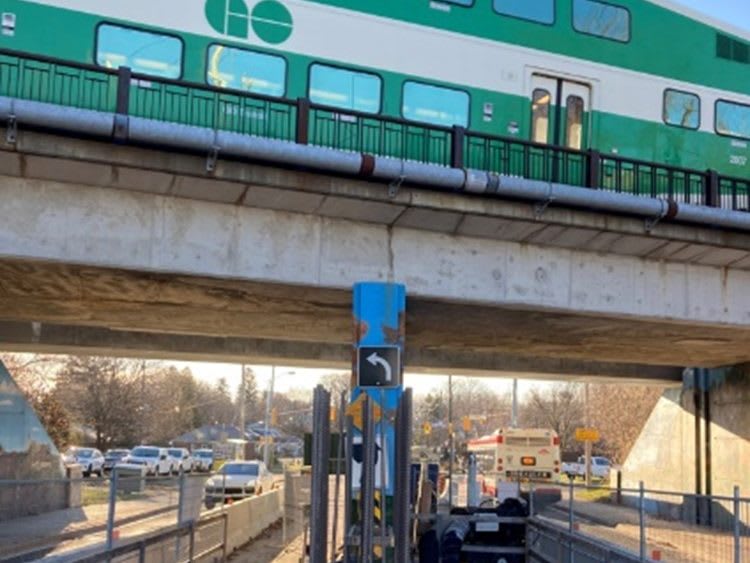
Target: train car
column 645, row 80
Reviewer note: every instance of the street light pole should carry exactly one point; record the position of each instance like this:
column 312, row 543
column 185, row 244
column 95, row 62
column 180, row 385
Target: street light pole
column 242, row 398
column 269, row 395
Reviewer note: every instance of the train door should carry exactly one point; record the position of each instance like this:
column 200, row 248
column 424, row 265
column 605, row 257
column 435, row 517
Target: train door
column 560, row 112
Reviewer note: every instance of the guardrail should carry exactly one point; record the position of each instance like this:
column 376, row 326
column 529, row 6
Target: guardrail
column 121, row 91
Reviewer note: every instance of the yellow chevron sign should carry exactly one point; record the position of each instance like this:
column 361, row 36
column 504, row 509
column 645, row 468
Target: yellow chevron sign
column 355, row 411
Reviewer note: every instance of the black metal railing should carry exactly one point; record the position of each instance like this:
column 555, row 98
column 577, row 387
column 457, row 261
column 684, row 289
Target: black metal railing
column 87, row 86
column 515, row 157
column 379, row 135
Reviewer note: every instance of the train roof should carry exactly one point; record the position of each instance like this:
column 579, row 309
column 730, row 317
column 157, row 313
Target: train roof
column 702, row 18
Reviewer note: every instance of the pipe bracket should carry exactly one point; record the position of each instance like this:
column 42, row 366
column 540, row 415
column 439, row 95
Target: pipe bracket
column 395, row 184
column 212, row 158
column 11, row 133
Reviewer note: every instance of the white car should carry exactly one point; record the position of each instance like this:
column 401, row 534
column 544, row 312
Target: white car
column 155, row 460
column 237, row 480
column 181, row 459
column 90, row 459
column 600, row 467
column 204, row 459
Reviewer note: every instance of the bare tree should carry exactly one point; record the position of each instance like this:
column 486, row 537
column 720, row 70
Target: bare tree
column 336, row 383
column 559, row 407
column 35, row 374
column 619, row 412
column 103, row 394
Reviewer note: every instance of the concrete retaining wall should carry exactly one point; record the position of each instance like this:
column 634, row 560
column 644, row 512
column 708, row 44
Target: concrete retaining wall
column 247, row 519
column 664, row 457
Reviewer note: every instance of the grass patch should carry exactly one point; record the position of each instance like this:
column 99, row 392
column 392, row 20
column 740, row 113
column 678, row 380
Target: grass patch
column 100, row 495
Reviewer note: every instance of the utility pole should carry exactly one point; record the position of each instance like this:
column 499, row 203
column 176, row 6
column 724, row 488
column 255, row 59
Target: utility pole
column 587, row 443
column 241, row 455
column 266, row 437
column 514, row 411
column 452, row 445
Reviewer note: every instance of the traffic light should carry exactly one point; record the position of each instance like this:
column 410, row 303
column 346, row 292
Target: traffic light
column 466, row 424
column 274, row 416
column 427, row 428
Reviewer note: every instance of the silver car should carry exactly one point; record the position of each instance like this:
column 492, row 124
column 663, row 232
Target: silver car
column 90, row 459
column 237, row 480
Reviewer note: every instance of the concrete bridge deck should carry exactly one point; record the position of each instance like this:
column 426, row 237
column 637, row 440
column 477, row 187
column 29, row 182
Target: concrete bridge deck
column 140, row 251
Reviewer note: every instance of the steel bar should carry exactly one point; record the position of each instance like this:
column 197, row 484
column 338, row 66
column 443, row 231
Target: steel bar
column 339, row 456
column 320, row 460
column 367, row 491
column 403, row 496
column 383, row 473
column 348, row 491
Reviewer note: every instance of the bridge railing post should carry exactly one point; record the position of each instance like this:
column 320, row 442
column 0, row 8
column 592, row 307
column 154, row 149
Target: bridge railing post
column 458, row 136
column 303, row 121
column 593, row 167
column 712, row 196
column 124, row 77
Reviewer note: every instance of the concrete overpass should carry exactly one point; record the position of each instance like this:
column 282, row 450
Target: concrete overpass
column 108, row 248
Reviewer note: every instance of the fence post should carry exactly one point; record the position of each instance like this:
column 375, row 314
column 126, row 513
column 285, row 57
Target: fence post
column 712, row 195
column 531, row 499
column 571, row 492
column 457, row 146
column 642, row 520
column 111, row 509
column 737, row 538
column 303, row 121
column 619, row 486
column 592, row 171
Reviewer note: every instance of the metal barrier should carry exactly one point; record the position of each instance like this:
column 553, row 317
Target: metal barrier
column 192, row 541
column 650, row 525
column 57, row 81
column 39, row 516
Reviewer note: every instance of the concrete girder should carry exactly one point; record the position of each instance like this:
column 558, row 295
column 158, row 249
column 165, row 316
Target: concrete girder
column 472, row 336
column 34, row 337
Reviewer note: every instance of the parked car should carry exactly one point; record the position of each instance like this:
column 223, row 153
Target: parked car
column 237, row 480
column 155, row 460
column 599, row 468
column 204, row 459
column 112, row 457
column 181, row 460
column 90, row 459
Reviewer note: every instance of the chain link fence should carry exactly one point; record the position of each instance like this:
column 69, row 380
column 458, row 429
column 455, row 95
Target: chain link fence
column 654, row 525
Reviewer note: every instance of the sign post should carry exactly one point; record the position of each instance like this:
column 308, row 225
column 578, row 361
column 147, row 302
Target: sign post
column 379, row 318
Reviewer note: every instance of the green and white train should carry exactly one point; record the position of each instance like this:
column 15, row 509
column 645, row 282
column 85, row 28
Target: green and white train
column 640, row 79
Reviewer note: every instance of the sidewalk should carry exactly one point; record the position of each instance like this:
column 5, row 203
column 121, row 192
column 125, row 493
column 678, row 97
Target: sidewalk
column 53, row 527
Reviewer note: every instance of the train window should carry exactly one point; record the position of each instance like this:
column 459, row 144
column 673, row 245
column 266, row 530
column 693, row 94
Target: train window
column 681, row 109
column 143, row 51
column 240, row 69
column 601, row 19
column 435, row 104
column 574, row 126
column 541, row 11
column 540, row 115
column 732, row 119
column 342, row 88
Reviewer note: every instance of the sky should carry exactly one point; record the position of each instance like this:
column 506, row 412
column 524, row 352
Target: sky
column 735, row 12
